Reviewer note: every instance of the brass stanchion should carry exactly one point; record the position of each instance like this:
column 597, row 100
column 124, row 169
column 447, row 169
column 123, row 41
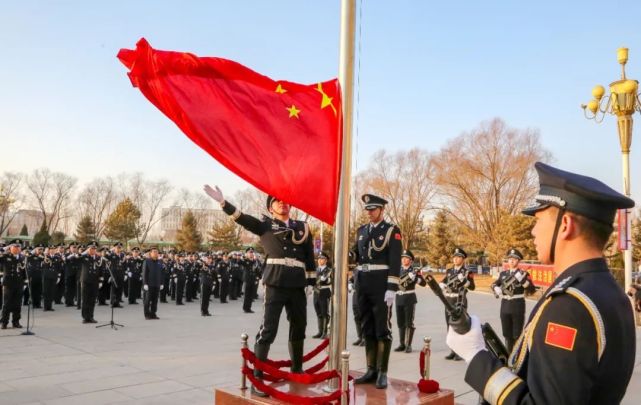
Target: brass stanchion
column 344, row 377
column 243, row 379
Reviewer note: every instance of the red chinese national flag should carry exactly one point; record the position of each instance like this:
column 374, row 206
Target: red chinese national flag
column 284, row 138
column 560, row 336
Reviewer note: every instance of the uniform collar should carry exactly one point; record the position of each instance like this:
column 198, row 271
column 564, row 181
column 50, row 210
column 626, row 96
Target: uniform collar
column 586, row 266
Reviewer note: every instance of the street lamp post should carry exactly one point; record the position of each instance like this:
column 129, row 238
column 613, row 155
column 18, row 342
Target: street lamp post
column 622, row 101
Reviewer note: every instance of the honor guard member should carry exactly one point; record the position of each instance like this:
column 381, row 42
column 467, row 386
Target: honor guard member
column 134, row 275
column 251, row 267
column 289, row 269
column 151, row 283
column 14, row 281
column 207, row 274
column 59, row 261
column 50, row 277
column 117, row 265
column 180, row 278
column 378, row 257
column 166, row 276
column 406, row 301
column 222, row 271
column 91, row 279
column 72, row 275
column 196, row 266
column 457, row 281
column 104, row 290
column 512, row 286
column 578, row 344
column 323, row 295
column 34, row 272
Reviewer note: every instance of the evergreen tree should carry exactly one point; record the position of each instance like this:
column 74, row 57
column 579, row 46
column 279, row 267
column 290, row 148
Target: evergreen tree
column 122, row 223
column 188, row 237
column 24, row 231
column 42, row 237
column 224, row 235
column 85, row 231
column 440, row 242
column 58, row 238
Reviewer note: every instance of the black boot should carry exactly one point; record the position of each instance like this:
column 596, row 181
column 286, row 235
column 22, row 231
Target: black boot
column 370, row 355
column 401, row 338
column 321, row 322
column 296, row 355
column 408, row 340
column 261, row 351
column 382, row 357
column 325, row 328
column 450, row 356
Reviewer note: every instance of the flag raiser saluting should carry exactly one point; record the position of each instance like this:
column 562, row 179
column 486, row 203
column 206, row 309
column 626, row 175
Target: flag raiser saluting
column 282, row 137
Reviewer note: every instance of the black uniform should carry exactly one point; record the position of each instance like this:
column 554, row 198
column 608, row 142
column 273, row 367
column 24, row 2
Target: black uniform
column 456, row 290
column 118, row 267
column 71, row 274
column 166, row 277
column 59, row 262
column 90, row 277
column 207, row 274
column 406, row 306
column 251, row 276
column 235, row 279
column 13, row 283
column 152, row 279
column 222, row 271
column 50, row 278
column 134, row 273
column 288, row 270
column 34, row 272
column 104, row 289
column 180, row 279
column 378, row 257
column 513, row 303
column 322, row 299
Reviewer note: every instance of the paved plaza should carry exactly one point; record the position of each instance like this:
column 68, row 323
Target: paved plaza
column 180, row 358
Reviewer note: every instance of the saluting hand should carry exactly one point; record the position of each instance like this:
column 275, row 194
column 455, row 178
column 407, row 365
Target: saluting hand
column 216, row 194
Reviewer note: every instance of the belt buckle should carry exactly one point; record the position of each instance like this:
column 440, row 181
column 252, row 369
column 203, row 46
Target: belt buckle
column 289, row 262
column 364, row 267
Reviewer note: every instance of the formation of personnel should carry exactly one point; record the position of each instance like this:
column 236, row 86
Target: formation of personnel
column 88, row 275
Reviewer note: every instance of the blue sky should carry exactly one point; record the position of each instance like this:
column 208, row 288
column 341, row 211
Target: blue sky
column 428, row 71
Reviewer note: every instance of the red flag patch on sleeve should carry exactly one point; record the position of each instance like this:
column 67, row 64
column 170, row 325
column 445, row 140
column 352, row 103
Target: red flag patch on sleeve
column 560, row 336
column 397, row 236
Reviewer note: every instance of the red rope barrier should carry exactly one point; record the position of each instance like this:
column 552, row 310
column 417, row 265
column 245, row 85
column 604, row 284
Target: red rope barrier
column 290, row 398
column 306, row 358
column 279, row 374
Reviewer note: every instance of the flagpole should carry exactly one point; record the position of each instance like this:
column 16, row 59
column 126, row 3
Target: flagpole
column 338, row 336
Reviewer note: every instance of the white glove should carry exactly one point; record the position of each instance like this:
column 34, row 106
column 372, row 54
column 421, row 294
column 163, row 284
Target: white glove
column 461, row 277
column 467, row 346
column 129, row 274
column 125, row 278
column 350, row 288
column 162, row 286
column 442, row 285
column 389, row 297
column 99, row 285
column 412, row 276
column 309, row 290
column 519, row 276
column 1, row 278
column 323, row 278
column 216, row 194
column 145, row 287
column 497, row 290
column 58, row 280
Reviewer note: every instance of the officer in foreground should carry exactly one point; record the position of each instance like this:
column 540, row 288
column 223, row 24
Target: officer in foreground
column 578, row 345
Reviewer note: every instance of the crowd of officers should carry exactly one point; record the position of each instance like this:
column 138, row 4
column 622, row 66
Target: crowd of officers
column 83, row 275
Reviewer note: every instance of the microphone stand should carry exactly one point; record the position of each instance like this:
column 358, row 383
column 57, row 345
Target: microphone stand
column 115, row 284
column 29, row 332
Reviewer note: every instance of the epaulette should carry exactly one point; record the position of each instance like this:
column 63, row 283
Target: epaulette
column 562, row 286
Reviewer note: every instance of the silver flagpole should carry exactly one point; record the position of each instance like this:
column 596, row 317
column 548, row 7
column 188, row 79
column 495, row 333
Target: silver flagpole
column 346, row 79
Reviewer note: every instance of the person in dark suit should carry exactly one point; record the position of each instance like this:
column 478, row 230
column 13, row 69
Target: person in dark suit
column 152, row 283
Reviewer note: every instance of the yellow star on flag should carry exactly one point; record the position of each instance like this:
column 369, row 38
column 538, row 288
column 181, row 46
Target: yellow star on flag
column 280, row 89
column 293, row 111
column 326, row 100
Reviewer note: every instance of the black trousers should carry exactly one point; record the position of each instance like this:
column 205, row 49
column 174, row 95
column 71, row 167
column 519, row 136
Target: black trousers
column 89, row 295
column 163, row 292
column 11, row 304
column 115, row 293
column 405, row 316
column 78, row 292
column 134, row 290
column 172, row 289
column 35, row 290
column 224, row 290
column 150, row 300
column 250, row 292
column 376, row 316
column 294, row 300
column 70, row 290
column 321, row 302
column 59, row 291
column 104, row 292
column 48, row 292
column 180, row 291
column 512, row 318
column 205, row 293
column 235, row 288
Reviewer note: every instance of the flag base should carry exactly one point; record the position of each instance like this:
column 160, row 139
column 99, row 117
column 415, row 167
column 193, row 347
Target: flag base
column 403, row 392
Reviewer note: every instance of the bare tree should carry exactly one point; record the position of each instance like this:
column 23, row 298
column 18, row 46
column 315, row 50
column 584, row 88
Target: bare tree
column 148, row 196
column 11, row 198
column 406, row 180
column 96, row 200
column 51, row 193
column 198, row 203
column 487, row 174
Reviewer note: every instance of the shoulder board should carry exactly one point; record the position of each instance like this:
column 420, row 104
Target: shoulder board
column 561, row 286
